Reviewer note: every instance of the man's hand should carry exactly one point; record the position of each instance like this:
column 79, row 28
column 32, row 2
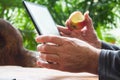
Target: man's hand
column 68, row 54
column 87, row 33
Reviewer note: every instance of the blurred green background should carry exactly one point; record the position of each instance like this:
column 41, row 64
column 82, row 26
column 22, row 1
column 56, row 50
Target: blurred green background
column 105, row 15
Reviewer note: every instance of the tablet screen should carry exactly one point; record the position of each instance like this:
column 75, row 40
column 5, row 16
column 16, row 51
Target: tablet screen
column 41, row 18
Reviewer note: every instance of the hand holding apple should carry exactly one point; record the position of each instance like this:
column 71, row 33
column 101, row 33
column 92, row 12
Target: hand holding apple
column 81, row 26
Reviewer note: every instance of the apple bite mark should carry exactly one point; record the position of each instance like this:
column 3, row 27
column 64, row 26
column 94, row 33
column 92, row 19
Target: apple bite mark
column 76, row 20
column 76, row 17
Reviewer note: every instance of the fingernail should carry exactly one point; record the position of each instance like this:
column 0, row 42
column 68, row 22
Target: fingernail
column 87, row 12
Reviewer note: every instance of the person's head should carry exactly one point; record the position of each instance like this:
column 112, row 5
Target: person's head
column 10, row 42
column 12, row 51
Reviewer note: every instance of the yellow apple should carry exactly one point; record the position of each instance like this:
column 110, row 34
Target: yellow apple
column 76, row 21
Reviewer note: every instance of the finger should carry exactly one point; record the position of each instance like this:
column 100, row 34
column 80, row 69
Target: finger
column 83, row 31
column 64, row 30
column 67, row 23
column 50, row 57
column 88, row 21
column 65, row 35
column 47, row 65
column 52, row 39
column 49, row 48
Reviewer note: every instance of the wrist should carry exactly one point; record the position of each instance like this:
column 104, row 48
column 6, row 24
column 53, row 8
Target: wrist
column 97, row 44
column 93, row 60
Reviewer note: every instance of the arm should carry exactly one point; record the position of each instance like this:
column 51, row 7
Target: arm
column 109, row 65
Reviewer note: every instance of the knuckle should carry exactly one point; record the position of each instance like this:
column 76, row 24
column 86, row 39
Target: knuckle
column 43, row 56
column 45, row 48
column 69, row 41
column 47, row 57
column 53, row 38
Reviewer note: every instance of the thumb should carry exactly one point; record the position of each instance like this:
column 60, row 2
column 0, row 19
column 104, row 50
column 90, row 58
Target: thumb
column 89, row 23
column 86, row 14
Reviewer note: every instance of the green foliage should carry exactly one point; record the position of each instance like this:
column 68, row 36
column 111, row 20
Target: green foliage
column 104, row 13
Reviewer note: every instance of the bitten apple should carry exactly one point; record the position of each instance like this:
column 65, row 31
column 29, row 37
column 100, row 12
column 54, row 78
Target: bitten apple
column 76, row 21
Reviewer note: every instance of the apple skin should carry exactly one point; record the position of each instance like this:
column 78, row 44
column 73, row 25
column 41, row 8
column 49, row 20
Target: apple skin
column 77, row 25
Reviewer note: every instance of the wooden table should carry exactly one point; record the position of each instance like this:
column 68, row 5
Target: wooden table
column 20, row 73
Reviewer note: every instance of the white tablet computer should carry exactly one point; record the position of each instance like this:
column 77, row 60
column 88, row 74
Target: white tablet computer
column 41, row 18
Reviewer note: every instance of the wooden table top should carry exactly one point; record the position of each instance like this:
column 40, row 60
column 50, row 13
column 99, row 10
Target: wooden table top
column 21, row 73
